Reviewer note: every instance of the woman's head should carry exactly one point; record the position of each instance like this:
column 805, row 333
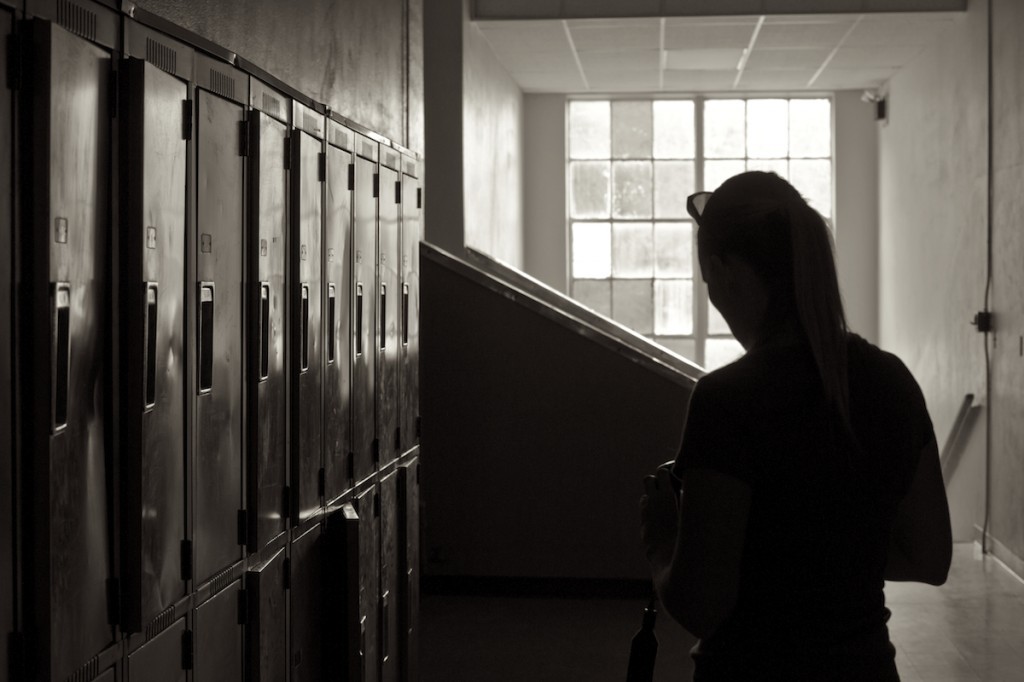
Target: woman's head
column 767, row 254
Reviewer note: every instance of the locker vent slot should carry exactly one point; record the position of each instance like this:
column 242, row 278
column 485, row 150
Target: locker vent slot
column 368, row 150
column 76, row 19
column 205, row 340
column 222, row 84
column 383, row 316
column 332, row 336
column 264, row 330
column 61, row 354
column 222, row 579
column 88, row 671
column 160, row 623
column 311, row 124
column 405, row 314
column 149, row 344
column 390, row 160
column 359, row 319
column 304, row 341
column 161, row 56
column 271, row 104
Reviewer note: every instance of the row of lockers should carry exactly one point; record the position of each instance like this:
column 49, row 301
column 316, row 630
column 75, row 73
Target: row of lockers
column 213, row 404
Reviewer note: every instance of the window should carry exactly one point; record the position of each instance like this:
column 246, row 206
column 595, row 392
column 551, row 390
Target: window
column 632, row 163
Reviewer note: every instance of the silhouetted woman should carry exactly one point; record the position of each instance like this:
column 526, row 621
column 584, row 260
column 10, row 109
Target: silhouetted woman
column 808, row 467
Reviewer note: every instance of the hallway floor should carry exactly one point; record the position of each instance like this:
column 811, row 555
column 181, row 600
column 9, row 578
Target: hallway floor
column 971, row 628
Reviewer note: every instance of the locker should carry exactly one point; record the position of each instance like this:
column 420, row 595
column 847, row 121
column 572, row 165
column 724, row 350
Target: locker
column 218, row 637
column 155, row 120
column 342, row 626
column 409, row 566
column 7, row 593
column 65, row 348
column 389, row 578
column 217, row 290
column 306, row 605
column 389, row 255
column 161, row 658
column 306, row 149
column 267, row 463
column 409, row 317
column 338, row 280
column 368, row 507
column 266, row 631
column 364, row 359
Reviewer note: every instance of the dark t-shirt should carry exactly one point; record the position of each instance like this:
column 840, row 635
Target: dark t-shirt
column 810, row 603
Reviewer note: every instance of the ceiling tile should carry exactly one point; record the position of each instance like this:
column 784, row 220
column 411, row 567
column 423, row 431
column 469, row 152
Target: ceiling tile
column 538, row 61
column 698, row 36
column 852, row 79
column 873, row 57
column 512, row 37
column 550, row 81
column 803, row 34
column 603, row 37
column 644, row 81
column 699, row 81
column 807, row 58
column 898, row 29
column 618, row 61
column 703, row 60
column 775, row 80
column 716, row 7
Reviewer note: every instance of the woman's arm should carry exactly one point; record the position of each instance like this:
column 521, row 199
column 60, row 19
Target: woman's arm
column 921, row 546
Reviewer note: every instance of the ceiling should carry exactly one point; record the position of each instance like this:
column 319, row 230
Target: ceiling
column 813, row 52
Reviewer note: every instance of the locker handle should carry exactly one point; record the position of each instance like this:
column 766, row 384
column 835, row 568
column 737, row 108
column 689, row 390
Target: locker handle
column 405, row 314
column 60, row 354
column 385, row 609
column 331, row 333
column 359, row 320
column 362, row 648
column 304, row 353
column 205, row 337
column 264, row 330
column 149, row 343
column 383, row 316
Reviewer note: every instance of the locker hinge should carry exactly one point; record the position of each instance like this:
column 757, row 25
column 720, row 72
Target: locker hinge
column 186, row 119
column 351, row 177
column 243, row 527
column 243, row 608
column 113, row 601
column 286, row 501
column 419, row 426
column 376, row 505
column 351, row 466
column 398, row 192
column 13, row 62
column 243, row 138
column 187, row 647
column 287, row 569
column 376, row 185
column 322, row 166
column 419, row 197
column 321, row 482
column 186, row 560
column 376, row 451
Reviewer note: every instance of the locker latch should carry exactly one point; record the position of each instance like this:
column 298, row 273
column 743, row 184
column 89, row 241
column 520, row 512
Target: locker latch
column 376, row 451
column 186, row 560
column 243, row 527
column 376, row 185
column 287, row 570
column 243, row 138
column 186, row 119
column 187, row 646
column 321, row 482
column 322, row 166
column 243, row 607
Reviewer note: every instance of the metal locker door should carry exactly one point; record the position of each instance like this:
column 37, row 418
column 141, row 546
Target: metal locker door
column 64, row 354
column 342, row 627
column 364, row 357
column 409, row 566
column 306, row 606
column 161, row 658
column 7, row 592
column 306, row 280
column 368, row 507
column 389, row 254
column 389, row 578
column 218, row 637
column 154, row 557
column 412, row 203
column 266, row 631
column 218, row 308
column 338, row 280
column 267, row 442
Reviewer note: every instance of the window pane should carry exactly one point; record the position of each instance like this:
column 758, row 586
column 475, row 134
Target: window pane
column 673, row 307
column 717, row 172
column 673, row 249
column 633, row 303
column 814, row 180
column 631, row 130
column 723, row 129
column 673, row 129
column 685, row 347
column 778, row 166
column 767, row 128
column 589, row 130
column 716, row 323
column 632, row 189
column 810, row 127
column 589, row 190
column 632, row 250
column 719, row 352
column 673, row 182
column 596, row 294
column 591, row 250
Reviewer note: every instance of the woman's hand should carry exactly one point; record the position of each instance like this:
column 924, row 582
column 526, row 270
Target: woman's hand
column 659, row 517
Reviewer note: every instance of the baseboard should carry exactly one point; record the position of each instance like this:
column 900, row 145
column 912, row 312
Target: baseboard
column 501, row 586
column 1001, row 553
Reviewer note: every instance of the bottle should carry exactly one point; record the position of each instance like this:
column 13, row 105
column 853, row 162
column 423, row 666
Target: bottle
column 644, row 649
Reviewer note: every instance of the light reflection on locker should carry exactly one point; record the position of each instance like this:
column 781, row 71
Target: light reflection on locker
column 389, row 255
column 364, row 240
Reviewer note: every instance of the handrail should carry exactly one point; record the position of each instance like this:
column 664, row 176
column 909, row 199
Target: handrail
column 566, row 312
column 571, row 306
column 953, row 449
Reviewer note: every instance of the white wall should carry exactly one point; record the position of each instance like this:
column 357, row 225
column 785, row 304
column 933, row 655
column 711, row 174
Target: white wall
column 546, row 240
